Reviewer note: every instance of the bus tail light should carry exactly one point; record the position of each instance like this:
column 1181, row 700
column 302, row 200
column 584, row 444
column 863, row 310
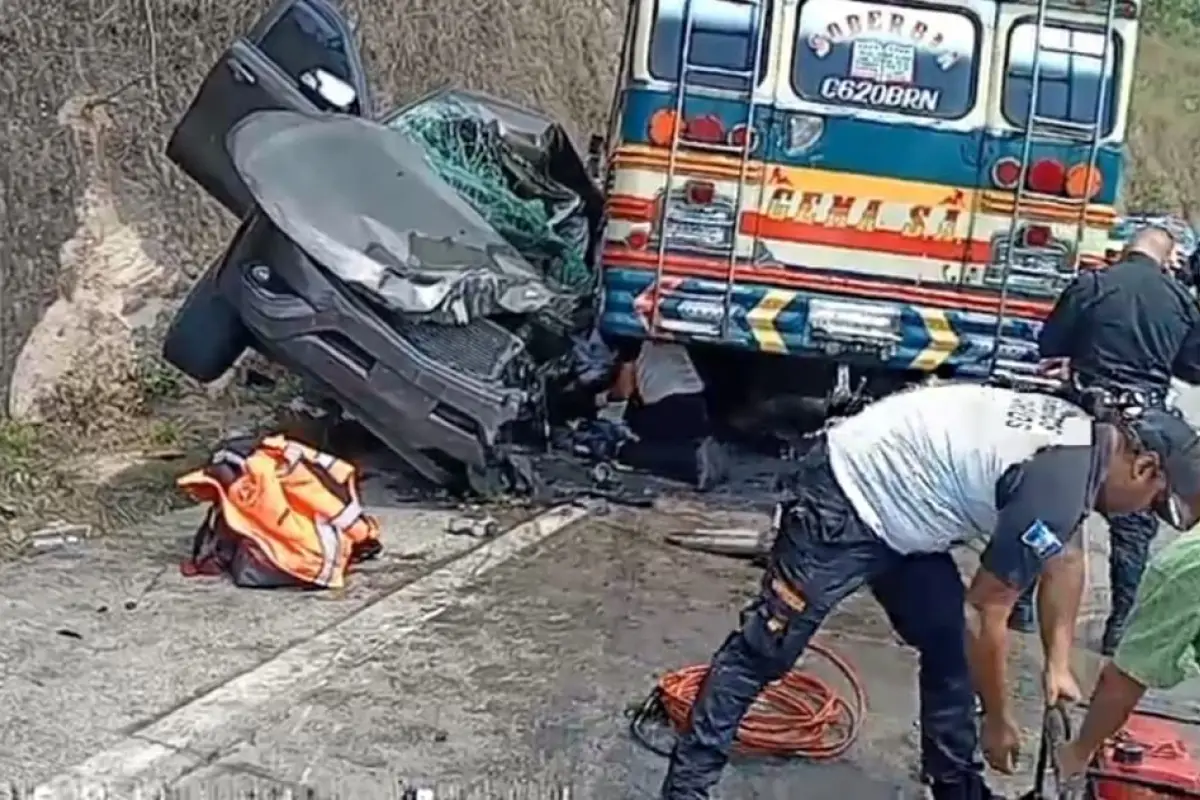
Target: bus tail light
column 707, row 129
column 663, row 125
column 1047, row 176
column 1037, row 236
column 1083, row 182
column 699, row 193
column 1006, row 173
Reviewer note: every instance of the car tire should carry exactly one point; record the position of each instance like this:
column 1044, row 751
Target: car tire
column 207, row 335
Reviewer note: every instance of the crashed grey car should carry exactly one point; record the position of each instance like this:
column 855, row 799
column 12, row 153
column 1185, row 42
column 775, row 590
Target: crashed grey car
column 426, row 268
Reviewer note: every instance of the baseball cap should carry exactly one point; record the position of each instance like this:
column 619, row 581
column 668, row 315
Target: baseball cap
column 1178, row 447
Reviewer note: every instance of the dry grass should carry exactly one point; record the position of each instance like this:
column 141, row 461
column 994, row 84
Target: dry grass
column 132, row 66
column 1165, row 134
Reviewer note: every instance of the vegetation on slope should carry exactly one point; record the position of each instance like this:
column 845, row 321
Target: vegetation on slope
column 1164, row 137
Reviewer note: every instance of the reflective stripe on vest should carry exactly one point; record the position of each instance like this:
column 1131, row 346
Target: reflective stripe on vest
column 349, row 515
column 293, row 452
column 331, row 547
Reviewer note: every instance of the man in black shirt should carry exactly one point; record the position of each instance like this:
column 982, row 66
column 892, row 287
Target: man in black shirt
column 1126, row 331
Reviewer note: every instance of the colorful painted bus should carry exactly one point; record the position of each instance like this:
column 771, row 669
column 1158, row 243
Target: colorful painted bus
column 863, row 183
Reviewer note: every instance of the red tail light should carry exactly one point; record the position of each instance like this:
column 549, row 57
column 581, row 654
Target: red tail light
column 705, row 130
column 1047, row 176
column 1037, row 236
column 1006, row 172
column 699, row 193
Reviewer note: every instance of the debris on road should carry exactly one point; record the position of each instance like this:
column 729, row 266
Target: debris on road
column 59, row 534
column 476, row 527
column 133, row 602
column 737, row 542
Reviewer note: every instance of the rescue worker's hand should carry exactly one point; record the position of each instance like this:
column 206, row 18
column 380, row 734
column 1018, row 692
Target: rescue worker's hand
column 1001, row 743
column 1059, row 686
column 1055, row 368
column 1070, row 771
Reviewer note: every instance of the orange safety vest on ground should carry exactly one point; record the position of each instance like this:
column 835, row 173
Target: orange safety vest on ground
column 282, row 514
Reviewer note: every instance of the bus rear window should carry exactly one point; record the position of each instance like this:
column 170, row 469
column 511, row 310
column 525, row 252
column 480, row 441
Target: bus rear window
column 900, row 59
column 1071, row 75
column 723, row 36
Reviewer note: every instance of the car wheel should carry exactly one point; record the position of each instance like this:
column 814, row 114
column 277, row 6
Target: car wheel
column 207, row 335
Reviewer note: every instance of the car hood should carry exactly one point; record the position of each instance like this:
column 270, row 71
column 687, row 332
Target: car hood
column 361, row 199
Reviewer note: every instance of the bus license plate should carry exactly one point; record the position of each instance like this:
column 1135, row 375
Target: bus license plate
column 688, row 233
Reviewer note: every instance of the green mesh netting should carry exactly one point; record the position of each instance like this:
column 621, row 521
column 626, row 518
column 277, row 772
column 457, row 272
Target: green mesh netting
column 467, row 151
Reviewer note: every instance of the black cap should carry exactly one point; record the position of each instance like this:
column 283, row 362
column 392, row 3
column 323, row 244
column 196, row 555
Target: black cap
column 1178, row 448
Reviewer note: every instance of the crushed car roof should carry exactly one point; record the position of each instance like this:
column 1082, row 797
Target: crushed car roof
column 362, row 200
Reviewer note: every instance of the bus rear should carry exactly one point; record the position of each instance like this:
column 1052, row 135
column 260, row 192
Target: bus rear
column 862, row 184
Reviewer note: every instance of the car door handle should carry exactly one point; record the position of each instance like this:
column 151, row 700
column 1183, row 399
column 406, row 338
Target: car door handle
column 241, row 73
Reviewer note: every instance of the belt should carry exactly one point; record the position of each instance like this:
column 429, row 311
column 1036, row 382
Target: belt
column 1121, row 396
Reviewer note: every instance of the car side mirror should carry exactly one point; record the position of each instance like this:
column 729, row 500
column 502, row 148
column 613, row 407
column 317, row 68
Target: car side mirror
column 331, row 89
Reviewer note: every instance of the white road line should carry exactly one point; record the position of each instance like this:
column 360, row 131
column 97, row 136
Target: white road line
column 221, row 716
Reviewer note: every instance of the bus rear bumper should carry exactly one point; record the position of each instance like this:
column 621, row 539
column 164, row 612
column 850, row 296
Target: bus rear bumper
column 829, row 326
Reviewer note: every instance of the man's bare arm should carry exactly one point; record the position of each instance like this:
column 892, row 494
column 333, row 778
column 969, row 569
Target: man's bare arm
column 989, row 602
column 1157, row 651
column 1058, row 598
column 1114, row 699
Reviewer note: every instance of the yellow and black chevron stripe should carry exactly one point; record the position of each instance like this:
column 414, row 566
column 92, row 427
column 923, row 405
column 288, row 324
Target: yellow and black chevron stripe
column 761, row 320
column 941, row 338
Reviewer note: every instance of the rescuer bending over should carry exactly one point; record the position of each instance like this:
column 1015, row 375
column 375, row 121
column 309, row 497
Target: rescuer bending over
column 1125, row 331
column 1161, row 642
column 881, row 500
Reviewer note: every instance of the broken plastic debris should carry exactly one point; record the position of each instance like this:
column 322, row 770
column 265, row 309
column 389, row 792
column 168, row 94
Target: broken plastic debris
column 59, row 535
column 298, row 405
column 477, row 527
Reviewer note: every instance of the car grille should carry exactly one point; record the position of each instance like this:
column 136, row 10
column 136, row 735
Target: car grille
column 481, row 349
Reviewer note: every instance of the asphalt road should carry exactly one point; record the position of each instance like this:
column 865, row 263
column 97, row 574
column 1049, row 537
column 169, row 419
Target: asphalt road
column 498, row 669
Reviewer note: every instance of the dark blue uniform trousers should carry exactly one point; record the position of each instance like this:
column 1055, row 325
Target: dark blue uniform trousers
column 823, row 554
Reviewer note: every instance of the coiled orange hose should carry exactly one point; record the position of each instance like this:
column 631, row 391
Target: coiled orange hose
column 798, row 715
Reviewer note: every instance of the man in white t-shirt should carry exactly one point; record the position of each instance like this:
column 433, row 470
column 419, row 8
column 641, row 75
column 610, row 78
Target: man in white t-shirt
column 668, row 413
column 880, row 502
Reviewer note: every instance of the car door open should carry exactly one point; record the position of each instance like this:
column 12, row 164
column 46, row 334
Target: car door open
column 300, row 55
